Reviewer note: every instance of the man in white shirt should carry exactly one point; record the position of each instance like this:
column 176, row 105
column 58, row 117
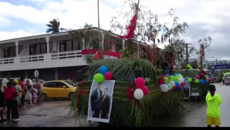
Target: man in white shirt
column 5, row 81
column 4, row 85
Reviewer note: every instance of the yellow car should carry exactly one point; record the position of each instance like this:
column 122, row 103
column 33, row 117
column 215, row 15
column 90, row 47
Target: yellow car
column 58, row 89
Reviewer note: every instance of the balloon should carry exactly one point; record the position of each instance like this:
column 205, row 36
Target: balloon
column 168, row 85
column 189, row 80
column 180, row 75
column 176, row 74
column 174, row 88
column 145, row 90
column 161, row 81
column 138, row 94
column 167, row 75
column 172, row 77
column 188, row 65
column 139, row 82
column 172, row 83
column 98, row 78
column 201, row 81
column 166, row 79
column 103, row 69
column 178, row 86
column 164, row 88
column 197, row 81
column 206, row 82
column 171, row 87
column 176, row 79
column 181, row 80
column 197, row 77
column 108, row 75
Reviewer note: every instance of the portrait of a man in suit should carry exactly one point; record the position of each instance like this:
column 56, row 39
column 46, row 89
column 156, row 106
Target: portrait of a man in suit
column 96, row 101
column 105, row 107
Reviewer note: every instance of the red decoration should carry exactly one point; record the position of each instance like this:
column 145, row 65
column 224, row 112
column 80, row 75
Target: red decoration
column 108, row 75
column 79, row 94
column 130, row 95
column 130, row 28
column 197, row 77
column 140, row 82
column 174, row 88
column 182, row 84
column 161, row 81
column 145, row 90
column 96, row 55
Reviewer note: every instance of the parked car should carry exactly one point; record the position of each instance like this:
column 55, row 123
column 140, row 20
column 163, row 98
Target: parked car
column 58, row 89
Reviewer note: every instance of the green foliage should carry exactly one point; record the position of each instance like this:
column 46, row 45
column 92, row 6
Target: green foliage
column 127, row 112
column 53, row 26
column 127, row 53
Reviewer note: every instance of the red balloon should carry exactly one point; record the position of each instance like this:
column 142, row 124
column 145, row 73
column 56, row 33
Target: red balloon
column 174, row 88
column 161, row 81
column 197, row 77
column 139, row 82
column 145, row 90
column 108, row 75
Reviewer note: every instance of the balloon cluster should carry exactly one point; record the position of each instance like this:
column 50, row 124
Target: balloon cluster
column 102, row 75
column 141, row 89
column 173, row 82
column 189, row 66
column 203, row 81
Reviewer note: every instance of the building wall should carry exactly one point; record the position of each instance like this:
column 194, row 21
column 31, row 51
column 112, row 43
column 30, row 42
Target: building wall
column 45, row 74
column 15, row 74
column 68, row 72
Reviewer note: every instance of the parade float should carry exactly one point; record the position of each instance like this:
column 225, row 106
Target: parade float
column 137, row 99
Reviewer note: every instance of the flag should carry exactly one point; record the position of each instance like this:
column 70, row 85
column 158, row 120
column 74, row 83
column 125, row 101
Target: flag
column 130, row 28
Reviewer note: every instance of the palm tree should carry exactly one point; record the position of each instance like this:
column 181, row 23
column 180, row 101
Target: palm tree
column 53, row 26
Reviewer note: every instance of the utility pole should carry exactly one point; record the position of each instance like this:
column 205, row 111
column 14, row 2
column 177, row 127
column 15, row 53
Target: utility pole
column 98, row 14
column 216, row 61
column 186, row 47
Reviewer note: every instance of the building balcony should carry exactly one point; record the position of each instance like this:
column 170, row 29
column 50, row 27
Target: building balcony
column 50, row 60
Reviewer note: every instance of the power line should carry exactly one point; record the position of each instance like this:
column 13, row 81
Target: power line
column 222, row 27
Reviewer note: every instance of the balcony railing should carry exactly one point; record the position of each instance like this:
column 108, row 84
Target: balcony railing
column 7, row 61
column 34, row 58
column 66, row 55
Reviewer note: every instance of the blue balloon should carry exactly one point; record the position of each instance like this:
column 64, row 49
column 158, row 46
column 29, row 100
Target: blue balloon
column 176, row 74
column 202, row 81
column 167, row 75
column 206, row 81
column 103, row 69
column 178, row 86
column 185, row 79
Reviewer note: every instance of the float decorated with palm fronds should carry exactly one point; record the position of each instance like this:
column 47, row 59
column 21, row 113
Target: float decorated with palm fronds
column 161, row 88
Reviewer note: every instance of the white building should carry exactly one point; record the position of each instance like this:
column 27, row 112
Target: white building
column 53, row 55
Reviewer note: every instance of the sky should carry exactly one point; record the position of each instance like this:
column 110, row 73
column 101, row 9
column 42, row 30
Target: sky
column 20, row 18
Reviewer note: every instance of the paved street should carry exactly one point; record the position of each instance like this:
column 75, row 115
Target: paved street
column 53, row 113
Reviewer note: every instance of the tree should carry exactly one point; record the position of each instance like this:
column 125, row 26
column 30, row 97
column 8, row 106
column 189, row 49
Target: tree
column 53, row 26
column 204, row 44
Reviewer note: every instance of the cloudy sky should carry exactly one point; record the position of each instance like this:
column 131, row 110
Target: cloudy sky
column 206, row 18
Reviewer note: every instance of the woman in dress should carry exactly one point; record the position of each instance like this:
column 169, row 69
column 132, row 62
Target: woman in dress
column 28, row 96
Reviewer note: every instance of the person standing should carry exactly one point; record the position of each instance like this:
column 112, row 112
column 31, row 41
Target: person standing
column 23, row 93
column 28, row 96
column 37, row 85
column 2, row 103
column 96, row 101
column 9, row 95
column 213, row 101
column 105, row 107
column 15, row 115
column 4, row 85
column 20, row 91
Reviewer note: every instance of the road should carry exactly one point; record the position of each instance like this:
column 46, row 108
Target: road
column 54, row 113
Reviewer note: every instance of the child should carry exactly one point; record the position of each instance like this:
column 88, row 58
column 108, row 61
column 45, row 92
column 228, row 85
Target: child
column 9, row 95
column 35, row 95
column 213, row 101
column 2, row 104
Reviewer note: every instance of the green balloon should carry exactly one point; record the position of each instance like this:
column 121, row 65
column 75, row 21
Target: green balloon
column 166, row 79
column 176, row 79
column 189, row 80
column 177, row 76
column 171, row 87
column 172, row 77
column 98, row 78
column 180, row 75
column 197, row 81
column 206, row 76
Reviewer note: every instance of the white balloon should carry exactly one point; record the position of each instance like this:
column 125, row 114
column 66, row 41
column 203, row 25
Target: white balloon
column 172, row 83
column 138, row 94
column 164, row 88
column 180, row 76
column 181, row 80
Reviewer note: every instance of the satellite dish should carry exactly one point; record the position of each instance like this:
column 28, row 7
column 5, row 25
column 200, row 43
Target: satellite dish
column 36, row 73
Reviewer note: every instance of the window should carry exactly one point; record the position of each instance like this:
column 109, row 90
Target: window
column 9, row 52
column 118, row 47
column 50, row 85
column 60, row 85
column 20, row 49
column 66, row 45
column 39, row 48
column 71, row 83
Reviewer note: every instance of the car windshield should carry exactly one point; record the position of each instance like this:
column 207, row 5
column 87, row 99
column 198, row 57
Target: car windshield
column 71, row 83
